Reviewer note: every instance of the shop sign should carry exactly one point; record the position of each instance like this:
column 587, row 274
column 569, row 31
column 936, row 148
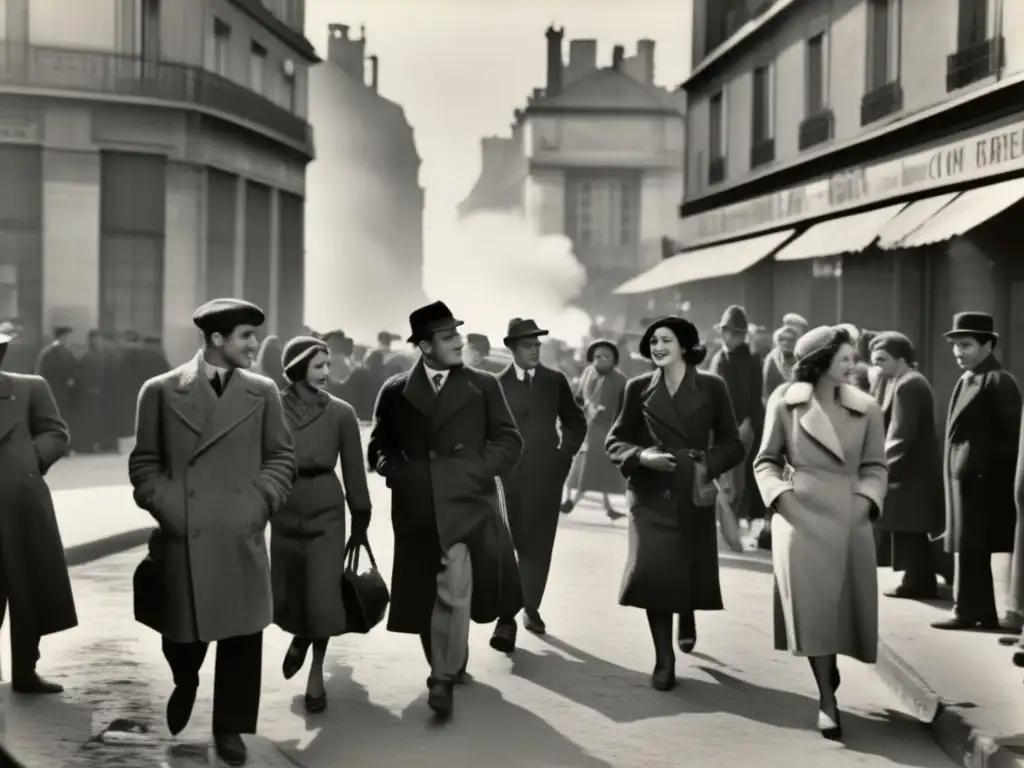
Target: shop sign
column 993, row 152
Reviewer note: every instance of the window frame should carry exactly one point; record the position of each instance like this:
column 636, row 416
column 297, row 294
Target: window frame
column 810, row 108
column 722, row 130
column 769, row 122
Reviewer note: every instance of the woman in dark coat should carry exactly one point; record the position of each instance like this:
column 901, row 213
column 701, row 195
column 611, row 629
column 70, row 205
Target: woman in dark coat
column 307, row 540
column 600, row 390
column 674, row 435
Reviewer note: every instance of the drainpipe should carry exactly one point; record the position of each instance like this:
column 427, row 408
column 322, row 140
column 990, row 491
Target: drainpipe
column 1000, row 62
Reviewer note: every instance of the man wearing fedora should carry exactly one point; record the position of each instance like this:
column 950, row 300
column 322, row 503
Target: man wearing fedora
column 741, row 370
column 442, row 433
column 213, row 460
column 553, row 427
column 476, row 352
column 982, row 430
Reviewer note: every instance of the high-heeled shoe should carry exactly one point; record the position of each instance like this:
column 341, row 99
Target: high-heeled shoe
column 663, row 679
column 294, row 659
column 316, row 704
column 829, row 728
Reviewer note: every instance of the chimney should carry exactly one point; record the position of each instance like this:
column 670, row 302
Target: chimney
column 346, row 54
column 645, row 52
column 374, row 72
column 491, row 154
column 582, row 57
column 618, row 54
column 554, row 36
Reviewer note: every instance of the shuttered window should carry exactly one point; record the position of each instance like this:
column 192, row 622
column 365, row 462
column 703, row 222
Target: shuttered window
column 883, row 43
column 973, row 23
column 221, row 214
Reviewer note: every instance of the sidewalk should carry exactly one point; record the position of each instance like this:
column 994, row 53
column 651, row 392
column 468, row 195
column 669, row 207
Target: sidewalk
column 96, row 522
column 962, row 683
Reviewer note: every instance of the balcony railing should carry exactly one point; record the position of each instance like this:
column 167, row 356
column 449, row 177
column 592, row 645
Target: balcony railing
column 816, row 129
column 974, row 63
column 26, row 66
column 761, row 152
column 881, row 102
column 716, row 170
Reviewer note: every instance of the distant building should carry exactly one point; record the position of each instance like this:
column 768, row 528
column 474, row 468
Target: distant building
column 153, row 156
column 364, row 222
column 596, row 155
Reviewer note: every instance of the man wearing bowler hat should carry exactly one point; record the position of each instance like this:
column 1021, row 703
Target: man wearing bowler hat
column 213, row 460
column 553, row 428
column 982, row 430
column 442, row 432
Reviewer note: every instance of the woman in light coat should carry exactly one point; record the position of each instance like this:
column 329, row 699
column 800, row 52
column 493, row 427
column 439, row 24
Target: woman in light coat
column 823, row 547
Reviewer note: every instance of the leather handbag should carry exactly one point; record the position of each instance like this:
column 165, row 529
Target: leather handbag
column 364, row 594
column 148, row 586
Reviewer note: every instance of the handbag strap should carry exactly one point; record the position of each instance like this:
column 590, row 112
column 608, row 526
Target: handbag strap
column 352, row 554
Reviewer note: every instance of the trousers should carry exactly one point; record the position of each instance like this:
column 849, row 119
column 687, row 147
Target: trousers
column 450, row 618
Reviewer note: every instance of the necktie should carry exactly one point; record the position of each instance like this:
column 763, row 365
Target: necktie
column 528, row 379
column 215, row 382
column 437, row 382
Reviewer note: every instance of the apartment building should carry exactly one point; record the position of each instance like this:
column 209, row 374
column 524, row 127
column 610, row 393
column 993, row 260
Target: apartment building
column 854, row 160
column 154, row 156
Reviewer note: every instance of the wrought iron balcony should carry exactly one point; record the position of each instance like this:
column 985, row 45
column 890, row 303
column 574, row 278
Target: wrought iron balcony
column 58, row 69
column 975, row 63
column 881, row 102
column 816, row 129
column 761, row 152
column 716, row 170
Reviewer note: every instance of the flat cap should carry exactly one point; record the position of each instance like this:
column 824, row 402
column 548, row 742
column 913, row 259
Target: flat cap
column 224, row 315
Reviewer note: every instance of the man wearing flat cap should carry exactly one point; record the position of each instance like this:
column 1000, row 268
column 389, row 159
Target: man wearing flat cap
column 213, row 460
column 553, row 428
column 442, row 432
column 982, row 430
column 34, row 579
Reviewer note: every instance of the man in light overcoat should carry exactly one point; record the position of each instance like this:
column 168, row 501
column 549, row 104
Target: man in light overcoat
column 553, row 428
column 213, row 460
column 34, row 579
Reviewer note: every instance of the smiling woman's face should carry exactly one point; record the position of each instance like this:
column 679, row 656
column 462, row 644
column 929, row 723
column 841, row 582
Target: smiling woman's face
column 665, row 348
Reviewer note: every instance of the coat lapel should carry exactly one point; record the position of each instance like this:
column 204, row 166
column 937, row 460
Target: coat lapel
column 238, row 402
column 193, row 398
column 673, row 411
column 964, row 395
column 10, row 408
column 458, row 390
column 419, row 391
column 814, row 421
column 302, row 411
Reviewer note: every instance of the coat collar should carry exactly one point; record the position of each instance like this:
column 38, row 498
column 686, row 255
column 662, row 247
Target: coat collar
column 964, row 397
column 673, row 410
column 458, row 390
column 816, row 422
column 209, row 416
column 302, row 409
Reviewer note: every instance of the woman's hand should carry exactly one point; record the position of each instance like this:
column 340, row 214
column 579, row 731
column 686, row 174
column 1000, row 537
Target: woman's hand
column 862, row 507
column 658, row 460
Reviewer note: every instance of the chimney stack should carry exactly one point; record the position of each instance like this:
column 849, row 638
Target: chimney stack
column 374, row 72
column 345, row 53
column 554, row 36
column 645, row 51
column 618, row 54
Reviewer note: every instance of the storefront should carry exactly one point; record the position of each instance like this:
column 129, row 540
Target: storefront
column 900, row 243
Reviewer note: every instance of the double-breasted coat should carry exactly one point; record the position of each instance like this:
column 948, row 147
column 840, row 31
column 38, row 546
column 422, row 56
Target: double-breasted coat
column 32, row 438
column 307, row 534
column 212, row 471
column 440, row 454
column 823, row 556
column 553, row 427
column 982, row 428
column 672, row 560
column 913, row 502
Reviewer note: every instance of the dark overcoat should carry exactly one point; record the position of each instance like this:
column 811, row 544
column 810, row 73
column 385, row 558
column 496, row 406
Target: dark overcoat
column 307, row 534
column 740, row 369
column 672, row 564
column 212, row 471
column 553, row 427
column 440, row 454
column 57, row 364
column 32, row 438
column 913, row 501
column 982, row 429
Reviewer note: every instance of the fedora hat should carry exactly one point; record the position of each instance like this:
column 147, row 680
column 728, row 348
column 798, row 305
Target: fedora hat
column 519, row 328
column 734, row 319
column 429, row 320
column 972, row 324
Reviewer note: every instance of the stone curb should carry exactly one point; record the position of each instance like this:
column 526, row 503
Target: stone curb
column 949, row 727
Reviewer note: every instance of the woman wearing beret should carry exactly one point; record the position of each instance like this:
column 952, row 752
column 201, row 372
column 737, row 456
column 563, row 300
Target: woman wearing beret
column 673, row 435
column 600, row 390
column 823, row 544
column 307, row 541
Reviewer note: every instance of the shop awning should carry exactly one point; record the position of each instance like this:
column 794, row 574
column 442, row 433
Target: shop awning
column 847, row 234
column 966, row 212
column 705, row 263
column 911, row 219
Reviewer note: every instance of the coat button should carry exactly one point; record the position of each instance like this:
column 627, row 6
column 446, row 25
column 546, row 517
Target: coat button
column 433, row 454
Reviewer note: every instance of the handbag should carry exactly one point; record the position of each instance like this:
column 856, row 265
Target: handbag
column 148, row 586
column 364, row 594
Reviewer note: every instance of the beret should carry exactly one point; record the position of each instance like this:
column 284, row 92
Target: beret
column 300, row 350
column 685, row 332
column 817, row 339
column 224, row 315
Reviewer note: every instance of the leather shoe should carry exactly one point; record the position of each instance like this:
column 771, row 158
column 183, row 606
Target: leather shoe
column 230, row 748
column 316, row 704
column 179, row 708
column 441, row 699
column 504, row 638
column 663, row 679
column 34, row 684
column 532, row 622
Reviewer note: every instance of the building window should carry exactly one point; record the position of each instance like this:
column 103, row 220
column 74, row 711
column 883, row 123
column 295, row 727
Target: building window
column 607, row 212
column 149, row 30
column 257, row 67
column 974, row 25
column 717, row 129
column 221, row 47
column 764, row 103
column 817, row 74
column 883, row 43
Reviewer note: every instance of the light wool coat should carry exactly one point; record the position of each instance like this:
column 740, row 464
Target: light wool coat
column 212, row 470
column 826, row 588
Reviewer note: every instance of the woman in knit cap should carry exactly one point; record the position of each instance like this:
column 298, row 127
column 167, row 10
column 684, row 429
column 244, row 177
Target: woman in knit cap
column 307, row 541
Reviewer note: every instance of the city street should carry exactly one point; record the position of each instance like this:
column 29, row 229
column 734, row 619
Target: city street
column 577, row 699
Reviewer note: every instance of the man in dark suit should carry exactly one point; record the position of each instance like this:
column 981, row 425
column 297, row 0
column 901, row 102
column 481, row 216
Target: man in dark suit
column 442, row 433
column 553, row 428
column 982, row 430
column 913, row 501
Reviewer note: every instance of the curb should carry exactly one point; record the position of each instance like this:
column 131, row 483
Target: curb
column 950, row 729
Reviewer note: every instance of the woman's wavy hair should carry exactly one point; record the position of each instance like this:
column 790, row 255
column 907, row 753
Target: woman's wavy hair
column 813, row 366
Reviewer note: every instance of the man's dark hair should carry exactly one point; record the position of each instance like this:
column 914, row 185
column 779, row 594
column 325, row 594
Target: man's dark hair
column 896, row 345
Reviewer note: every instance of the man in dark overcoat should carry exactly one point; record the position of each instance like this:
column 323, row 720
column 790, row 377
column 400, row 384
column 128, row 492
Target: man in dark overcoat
column 442, row 432
column 913, row 502
column 58, row 365
column 982, row 429
column 213, row 460
column 34, row 581
column 553, row 427
column 741, row 370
